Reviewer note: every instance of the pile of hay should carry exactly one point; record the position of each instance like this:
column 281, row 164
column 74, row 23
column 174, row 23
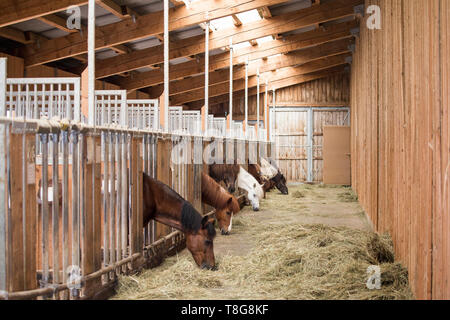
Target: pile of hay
column 287, row 262
column 348, row 196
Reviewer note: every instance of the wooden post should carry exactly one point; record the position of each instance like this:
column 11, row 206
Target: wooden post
column 137, row 196
column 163, row 175
column 91, row 254
column 162, row 112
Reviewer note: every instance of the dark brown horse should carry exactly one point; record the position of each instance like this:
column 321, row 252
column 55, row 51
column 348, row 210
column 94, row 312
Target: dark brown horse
column 225, row 204
column 226, row 173
column 166, row 206
column 280, row 183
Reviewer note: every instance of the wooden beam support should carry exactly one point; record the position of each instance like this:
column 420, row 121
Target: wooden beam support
column 237, row 22
column 57, row 22
column 119, row 11
column 196, row 105
column 20, row 36
column 220, row 61
column 280, row 74
column 144, row 26
column 219, row 39
column 273, row 63
column 264, row 12
column 15, row 11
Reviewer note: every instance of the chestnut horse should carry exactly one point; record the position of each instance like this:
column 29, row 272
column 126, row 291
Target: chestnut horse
column 226, row 173
column 166, row 206
column 225, row 204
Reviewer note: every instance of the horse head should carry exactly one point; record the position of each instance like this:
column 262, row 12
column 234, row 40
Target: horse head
column 280, row 183
column 253, row 198
column 200, row 244
column 225, row 214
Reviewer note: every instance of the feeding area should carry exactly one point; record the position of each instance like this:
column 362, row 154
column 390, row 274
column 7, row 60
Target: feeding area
column 217, row 149
column 324, row 258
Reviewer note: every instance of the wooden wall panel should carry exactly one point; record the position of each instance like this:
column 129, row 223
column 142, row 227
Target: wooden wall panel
column 331, row 91
column 400, row 138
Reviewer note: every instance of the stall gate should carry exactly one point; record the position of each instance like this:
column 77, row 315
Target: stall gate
column 71, row 213
column 298, row 135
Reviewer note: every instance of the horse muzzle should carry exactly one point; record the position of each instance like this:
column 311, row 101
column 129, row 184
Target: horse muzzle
column 224, row 232
column 255, row 208
column 208, row 267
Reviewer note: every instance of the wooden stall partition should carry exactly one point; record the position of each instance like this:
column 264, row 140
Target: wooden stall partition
column 91, row 221
column 22, row 229
column 163, row 174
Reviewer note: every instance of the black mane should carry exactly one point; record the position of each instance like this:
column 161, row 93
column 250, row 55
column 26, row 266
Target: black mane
column 191, row 220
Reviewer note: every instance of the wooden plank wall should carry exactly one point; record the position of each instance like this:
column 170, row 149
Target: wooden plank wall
column 400, row 135
column 331, row 91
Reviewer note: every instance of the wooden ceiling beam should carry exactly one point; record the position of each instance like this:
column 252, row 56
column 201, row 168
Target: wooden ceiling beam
column 291, row 43
column 325, row 73
column 280, row 74
column 264, row 12
column 336, row 48
column 57, row 22
column 143, row 27
column 195, row 45
column 15, row 11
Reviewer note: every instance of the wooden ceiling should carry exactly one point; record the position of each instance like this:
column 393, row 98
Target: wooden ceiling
column 308, row 43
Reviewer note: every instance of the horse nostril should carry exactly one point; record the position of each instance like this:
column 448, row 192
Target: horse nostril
column 224, row 233
column 214, row 268
column 255, row 209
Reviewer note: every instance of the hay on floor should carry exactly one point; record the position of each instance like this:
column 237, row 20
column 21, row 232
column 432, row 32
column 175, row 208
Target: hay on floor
column 288, row 262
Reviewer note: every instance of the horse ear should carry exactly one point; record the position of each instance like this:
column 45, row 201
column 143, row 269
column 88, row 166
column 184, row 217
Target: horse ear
column 205, row 222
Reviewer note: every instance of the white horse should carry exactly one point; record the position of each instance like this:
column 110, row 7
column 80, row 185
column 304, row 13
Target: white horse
column 253, row 189
column 268, row 170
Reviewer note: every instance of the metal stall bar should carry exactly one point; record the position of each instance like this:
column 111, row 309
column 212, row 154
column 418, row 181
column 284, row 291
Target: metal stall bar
column 3, row 202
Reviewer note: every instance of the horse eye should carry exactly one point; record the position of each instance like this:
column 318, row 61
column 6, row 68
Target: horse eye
column 208, row 242
column 229, row 213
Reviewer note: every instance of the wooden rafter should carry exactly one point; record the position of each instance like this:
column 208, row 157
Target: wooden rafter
column 324, row 73
column 336, row 48
column 219, row 39
column 119, row 11
column 144, row 26
column 264, row 12
column 57, row 22
column 15, row 11
column 291, row 43
column 281, row 74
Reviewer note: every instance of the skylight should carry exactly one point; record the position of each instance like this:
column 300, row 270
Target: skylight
column 222, row 23
column 241, row 45
column 249, row 16
column 264, row 39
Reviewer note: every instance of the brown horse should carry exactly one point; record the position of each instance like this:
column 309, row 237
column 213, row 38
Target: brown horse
column 225, row 204
column 166, row 206
column 225, row 172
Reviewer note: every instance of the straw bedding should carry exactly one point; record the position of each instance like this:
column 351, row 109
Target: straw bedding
column 292, row 261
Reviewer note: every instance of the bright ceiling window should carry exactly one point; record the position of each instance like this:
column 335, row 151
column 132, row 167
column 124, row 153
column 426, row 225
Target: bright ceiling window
column 249, row 16
column 222, row 23
column 264, row 39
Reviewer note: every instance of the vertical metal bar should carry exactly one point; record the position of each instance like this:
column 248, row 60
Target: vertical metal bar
column 3, row 180
column 44, row 195
column 266, row 110
column 65, row 194
column 231, row 83
column 310, row 144
column 36, row 103
column 246, row 98
column 112, row 199
column 91, row 63
column 206, row 75
column 124, row 195
column 118, row 231
column 75, row 201
column 257, row 105
column 105, row 151
column 274, row 116
column 55, row 207
column 166, row 66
